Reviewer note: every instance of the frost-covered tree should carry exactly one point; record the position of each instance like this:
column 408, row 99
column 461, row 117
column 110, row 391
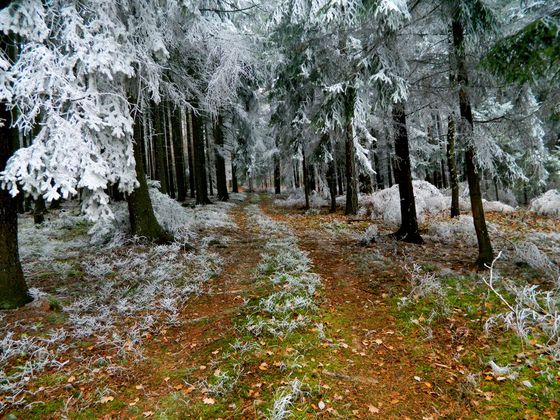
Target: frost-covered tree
column 13, row 289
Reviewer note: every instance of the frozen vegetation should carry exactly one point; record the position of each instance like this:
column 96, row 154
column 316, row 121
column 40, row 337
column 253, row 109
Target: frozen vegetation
column 102, row 276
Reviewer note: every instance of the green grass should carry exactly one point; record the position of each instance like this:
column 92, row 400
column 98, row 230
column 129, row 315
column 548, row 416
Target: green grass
column 468, row 298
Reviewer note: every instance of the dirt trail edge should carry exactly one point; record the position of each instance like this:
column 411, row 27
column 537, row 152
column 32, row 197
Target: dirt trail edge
column 380, row 369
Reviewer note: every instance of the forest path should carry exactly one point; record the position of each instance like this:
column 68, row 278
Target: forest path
column 176, row 360
column 384, row 372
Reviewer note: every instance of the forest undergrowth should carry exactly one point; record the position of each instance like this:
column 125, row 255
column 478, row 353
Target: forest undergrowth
column 263, row 310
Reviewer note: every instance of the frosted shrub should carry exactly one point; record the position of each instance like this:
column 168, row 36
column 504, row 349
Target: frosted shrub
column 529, row 253
column 385, row 204
column 296, row 199
column 369, row 235
column 530, row 311
column 547, row 204
column 497, row 206
column 285, row 400
column 424, row 285
column 454, row 230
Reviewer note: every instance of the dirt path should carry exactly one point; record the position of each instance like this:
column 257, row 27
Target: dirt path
column 382, row 372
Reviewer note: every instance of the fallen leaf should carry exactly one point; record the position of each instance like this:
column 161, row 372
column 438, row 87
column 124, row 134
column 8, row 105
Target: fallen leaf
column 209, row 401
column 71, row 379
column 373, row 409
column 148, row 413
column 139, row 387
column 105, row 400
column 263, row 366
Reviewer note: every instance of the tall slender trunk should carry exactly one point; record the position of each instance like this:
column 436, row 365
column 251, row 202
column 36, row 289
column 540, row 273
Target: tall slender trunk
column 485, row 251
column 452, row 165
column 305, row 179
column 179, row 154
column 340, row 179
column 351, row 177
column 220, row 162
column 39, row 210
column 170, row 161
column 199, row 159
column 378, row 174
column 190, row 142
column 408, row 231
column 389, row 168
column 277, row 172
column 13, row 289
column 159, row 143
column 208, row 160
column 234, row 186
column 331, row 174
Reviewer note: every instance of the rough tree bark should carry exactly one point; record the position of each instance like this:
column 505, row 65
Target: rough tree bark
column 179, row 154
column 234, row 184
column 13, row 289
column 305, row 179
column 277, row 172
column 199, row 159
column 219, row 160
column 452, row 166
column 331, row 174
column 408, row 231
column 351, row 177
column 169, row 161
column 485, row 251
column 190, row 142
column 159, row 147
column 143, row 222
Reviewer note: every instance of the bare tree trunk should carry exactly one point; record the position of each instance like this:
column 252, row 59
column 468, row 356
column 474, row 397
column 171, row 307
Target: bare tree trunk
column 408, row 231
column 143, row 222
column 234, row 185
column 331, row 174
column 208, row 160
column 160, row 152
column 190, row 140
column 305, row 179
column 485, row 251
column 221, row 181
column 199, row 159
column 351, row 177
column 13, row 289
column 452, row 165
column 179, row 154
column 277, row 172
column 170, row 162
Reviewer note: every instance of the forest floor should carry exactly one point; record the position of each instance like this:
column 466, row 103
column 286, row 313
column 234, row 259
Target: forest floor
column 302, row 321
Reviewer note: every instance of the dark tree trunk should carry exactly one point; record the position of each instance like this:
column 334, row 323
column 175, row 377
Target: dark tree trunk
column 331, row 175
column 179, row 154
column 296, row 174
column 39, row 210
column 305, row 179
column 378, row 175
column 277, row 178
column 220, row 162
column 143, row 222
column 496, row 189
column 351, row 176
column 208, row 160
column 389, row 169
column 485, row 251
column 340, row 179
column 199, row 159
column 13, row 289
column 408, row 231
column 160, row 152
column 234, row 184
column 190, row 140
column 452, row 165
column 169, row 149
